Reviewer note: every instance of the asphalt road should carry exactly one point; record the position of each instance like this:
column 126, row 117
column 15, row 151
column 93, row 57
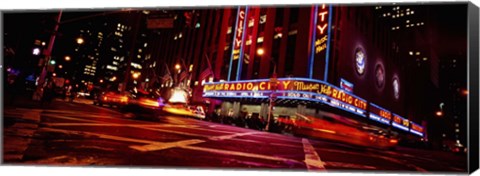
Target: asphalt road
column 81, row 134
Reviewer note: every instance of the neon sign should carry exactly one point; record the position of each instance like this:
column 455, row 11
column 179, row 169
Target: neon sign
column 400, row 122
column 345, row 85
column 322, row 18
column 237, row 44
column 322, row 24
column 239, row 34
column 416, row 129
column 379, row 114
column 308, row 88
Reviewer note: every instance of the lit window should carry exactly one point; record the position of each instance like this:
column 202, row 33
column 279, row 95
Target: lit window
column 408, row 9
column 421, row 23
column 248, row 42
column 457, row 130
column 260, row 40
column 408, row 21
column 425, row 59
column 417, row 53
column 410, row 53
column 138, row 56
column 408, row 13
column 251, row 22
column 384, row 15
column 263, row 19
column 411, row 12
column 139, row 50
column 175, row 38
column 145, row 45
column 293, row 32
column 229, row 30
column 180, row 35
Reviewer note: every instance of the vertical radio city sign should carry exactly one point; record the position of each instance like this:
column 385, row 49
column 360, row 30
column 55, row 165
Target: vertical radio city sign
column 238, row 38
column 319, row 53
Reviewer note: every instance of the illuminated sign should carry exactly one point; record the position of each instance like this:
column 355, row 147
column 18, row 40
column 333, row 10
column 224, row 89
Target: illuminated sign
column 345, row 85
column 296, row 88
column 238, row 38
column 396, row 88
column 400, row 122
column 308, row 90
column 320, row 39
column 360, row 60
column 379, row 75
column 379, row 114
column 237, row 44
column 416, row 129
column 322, row 24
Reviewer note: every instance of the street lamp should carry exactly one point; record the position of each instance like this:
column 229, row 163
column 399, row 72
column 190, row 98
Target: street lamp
column 67, row 58
column 439, row 113
column 60, row 66
column 80, row 41
column 36, row 51
column 177, row 66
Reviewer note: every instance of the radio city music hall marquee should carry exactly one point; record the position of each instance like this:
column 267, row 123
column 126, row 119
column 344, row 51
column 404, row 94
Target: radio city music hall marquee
column 309, row 90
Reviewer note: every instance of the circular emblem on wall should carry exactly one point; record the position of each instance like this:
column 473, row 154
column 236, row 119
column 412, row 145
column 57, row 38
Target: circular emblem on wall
column 396, row 88
column 379, row 75
column 360, row 60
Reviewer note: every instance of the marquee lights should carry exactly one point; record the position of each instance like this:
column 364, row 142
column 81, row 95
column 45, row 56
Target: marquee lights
column 379, row 114
column 305, row 89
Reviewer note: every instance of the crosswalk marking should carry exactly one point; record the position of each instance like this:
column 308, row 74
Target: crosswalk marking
column 17, row 138
column 312, row 159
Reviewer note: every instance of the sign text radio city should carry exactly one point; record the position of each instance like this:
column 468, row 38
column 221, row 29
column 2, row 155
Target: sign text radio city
column 290, row 85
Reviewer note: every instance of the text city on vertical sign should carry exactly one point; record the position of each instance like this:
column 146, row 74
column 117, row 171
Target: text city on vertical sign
column 320, row 38
column 238, row 38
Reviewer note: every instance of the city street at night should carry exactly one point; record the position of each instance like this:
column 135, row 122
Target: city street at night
column 81, row 134
column 312, row 87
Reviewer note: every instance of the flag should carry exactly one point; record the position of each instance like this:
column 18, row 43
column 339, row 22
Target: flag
column 208, row 71
column 205, row 73
column 182, row 76
column 168, row 75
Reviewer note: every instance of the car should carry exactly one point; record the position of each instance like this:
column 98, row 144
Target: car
column 184, row 110
column 111, row 98
column 339, row 129
column 142, row 105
